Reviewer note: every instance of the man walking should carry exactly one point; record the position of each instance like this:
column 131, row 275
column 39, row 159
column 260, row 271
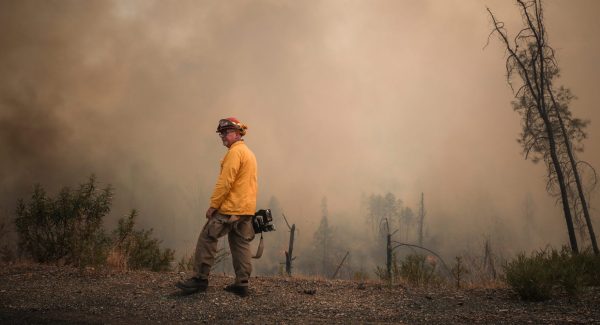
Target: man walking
column 232, row 206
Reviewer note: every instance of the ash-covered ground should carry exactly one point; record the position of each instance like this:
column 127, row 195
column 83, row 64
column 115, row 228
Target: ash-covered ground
column 42, row 294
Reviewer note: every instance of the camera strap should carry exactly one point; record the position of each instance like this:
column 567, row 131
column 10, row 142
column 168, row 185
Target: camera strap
column 261, row 247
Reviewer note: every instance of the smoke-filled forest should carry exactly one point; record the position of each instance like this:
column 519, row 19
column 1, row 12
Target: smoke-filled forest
column 423, row 161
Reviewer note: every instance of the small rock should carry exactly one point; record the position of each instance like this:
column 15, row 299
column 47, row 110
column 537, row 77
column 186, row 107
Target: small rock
column 310, row 291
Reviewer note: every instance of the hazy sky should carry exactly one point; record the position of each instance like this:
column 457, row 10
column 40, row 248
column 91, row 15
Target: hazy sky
column 342, row 99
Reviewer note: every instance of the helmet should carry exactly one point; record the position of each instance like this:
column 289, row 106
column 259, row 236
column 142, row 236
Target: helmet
column 231, row 123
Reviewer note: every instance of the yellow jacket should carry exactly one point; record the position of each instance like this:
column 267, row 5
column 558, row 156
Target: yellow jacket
column 236, row 188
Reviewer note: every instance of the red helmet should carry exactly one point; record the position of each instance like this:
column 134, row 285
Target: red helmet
column 231, row 123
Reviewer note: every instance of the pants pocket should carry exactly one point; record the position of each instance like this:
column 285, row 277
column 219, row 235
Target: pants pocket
column 244, row 228
column 215, row 228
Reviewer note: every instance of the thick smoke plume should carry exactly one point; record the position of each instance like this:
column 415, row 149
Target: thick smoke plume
column 343, row 99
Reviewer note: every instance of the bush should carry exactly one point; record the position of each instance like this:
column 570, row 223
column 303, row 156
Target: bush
column 67, row 228
column 7, row 254
column 567, row 270
column 138, row 249
column 530, row 277
column 537, row 277
column 417, row 271
column 414, row 269
column 590, row 266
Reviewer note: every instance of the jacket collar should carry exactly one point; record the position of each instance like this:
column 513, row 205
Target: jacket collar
column 241, row 141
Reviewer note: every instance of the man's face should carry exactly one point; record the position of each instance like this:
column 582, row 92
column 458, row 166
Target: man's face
column 229, row 137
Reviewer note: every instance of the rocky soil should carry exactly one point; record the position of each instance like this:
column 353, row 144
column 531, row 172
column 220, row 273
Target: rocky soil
column 42, row 294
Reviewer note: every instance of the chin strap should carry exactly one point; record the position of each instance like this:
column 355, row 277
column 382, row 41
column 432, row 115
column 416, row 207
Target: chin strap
column 260, row 249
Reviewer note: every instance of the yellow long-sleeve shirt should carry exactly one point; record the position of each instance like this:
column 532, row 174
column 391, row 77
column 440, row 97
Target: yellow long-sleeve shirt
column 236, row 188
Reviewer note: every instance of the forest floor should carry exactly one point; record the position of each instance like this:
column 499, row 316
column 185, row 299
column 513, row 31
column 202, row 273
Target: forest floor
column 42, row 294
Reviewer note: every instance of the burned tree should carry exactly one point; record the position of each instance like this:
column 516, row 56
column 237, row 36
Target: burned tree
column 549, row 131
column 289, row 257
column 572, row 130
column 388, row 249
column 421, row 219
column 323, row 240
column 337, row 270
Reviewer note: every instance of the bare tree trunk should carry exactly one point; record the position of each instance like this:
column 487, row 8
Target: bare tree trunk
column 421, row 218
column 388, row 251
column 582, row 199
column 340, row 265
column 488, row 259
column 561, row 183
column 388, row 260
column 288, row 255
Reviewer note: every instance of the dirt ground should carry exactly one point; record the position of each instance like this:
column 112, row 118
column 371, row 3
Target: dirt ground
column 40, row 294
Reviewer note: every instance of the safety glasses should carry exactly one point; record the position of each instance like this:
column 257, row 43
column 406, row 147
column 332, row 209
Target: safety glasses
column 224, row 133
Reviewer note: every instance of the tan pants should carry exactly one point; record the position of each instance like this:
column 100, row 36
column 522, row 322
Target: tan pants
column 240, row 234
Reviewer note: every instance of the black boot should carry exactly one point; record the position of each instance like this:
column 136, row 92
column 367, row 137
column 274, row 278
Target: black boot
column 192, row 285
column 241, row 291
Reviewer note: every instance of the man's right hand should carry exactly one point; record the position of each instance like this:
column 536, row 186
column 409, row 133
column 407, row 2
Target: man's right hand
column 210, row 212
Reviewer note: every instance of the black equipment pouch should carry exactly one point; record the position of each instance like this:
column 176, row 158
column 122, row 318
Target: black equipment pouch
column 262, row 221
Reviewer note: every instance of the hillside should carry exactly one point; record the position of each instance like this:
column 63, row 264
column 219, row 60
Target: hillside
column 50, row 294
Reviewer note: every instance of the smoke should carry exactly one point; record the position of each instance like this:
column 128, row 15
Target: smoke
column 342, row 98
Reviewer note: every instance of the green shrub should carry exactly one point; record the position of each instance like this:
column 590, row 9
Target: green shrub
column 590, row 265
column 538, row 276
column 139, row 249
column 7, row 254
column 417, row 271
column 530, row 277
column 68, row 227
column 567, row 269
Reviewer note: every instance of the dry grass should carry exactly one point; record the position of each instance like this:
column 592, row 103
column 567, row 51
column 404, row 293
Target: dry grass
column 117, row 260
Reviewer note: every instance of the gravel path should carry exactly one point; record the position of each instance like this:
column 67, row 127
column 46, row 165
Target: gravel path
column 42, row 294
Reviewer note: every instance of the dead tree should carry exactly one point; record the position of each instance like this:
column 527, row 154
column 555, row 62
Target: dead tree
column 388, row 249
column 458, row 271
column 421, row 219
column 391, row 245
column 532, row 59
column 289, row 257
column 574, row 129
column 324, row 240
column 488, row 259
column 340, row 265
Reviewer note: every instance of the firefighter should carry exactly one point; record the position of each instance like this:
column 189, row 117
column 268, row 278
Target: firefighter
column 232, row 205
